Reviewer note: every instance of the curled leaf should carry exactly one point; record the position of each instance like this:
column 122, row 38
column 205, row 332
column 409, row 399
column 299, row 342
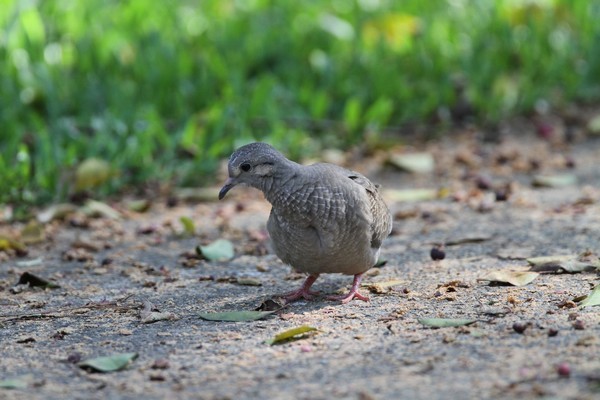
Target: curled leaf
column 469, row 239
column 291, row 334
column 32, row 233
column 197, row 194
column 380, row 263
column 57, row 211
column 27, row 278
column 93, row 208
column 592, row 299
column 248, row 282
column 413, row 162
column 141, row 205
column 567, row 263
column 411, row 195
column 271, row 305
column 445, row 322
column 235, row 316
column 7, row 243
column 91, row 173
column 219, row 250
column 115, row 362
column 30, row 263
column 14, row 383
column 554, row 180
column 188, row 225
column 515, row 278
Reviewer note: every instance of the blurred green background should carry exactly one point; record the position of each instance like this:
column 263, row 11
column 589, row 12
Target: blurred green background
column 162, row 90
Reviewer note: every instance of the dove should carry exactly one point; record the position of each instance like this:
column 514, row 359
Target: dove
column 324, row 218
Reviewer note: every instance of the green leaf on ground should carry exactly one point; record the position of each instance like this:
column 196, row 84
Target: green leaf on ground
column 554, row 181
column 592, row 299
column 188, row 225
column 468, row 240
column 57, row 211
column 219, row 250
column 291, row 335
column 445, row 322
column 380, row 263
column 515, row 278
column 411, row 195
column 197, row 194
column 115, row 362
column 14, row 383
column 32, row 233
column 8, row 243
column 93, row 208
column 413, row 162
column 90, row 173
column 30, row 263
column 568, row 263
column 140, row 206
column 594, row 125
column 534, row 261
column 235, row 316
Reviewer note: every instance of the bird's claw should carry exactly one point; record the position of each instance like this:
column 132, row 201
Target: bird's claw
column 346, row 298
column 299, row 294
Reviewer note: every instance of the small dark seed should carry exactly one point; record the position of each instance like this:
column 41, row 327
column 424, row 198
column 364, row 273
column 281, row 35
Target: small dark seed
column 519, row 327
column 172, row 202
column 569, row 162
column 501, row 195
column 437, row 253
column 552, row 332
column 74, row 358
column 578, row 324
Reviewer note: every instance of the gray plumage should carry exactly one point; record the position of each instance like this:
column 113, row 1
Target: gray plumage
column 325, row 218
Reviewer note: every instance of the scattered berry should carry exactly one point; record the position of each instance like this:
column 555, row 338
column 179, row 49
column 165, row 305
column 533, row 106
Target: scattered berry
column 437, row 253
column 520, row 327
column 563, row 369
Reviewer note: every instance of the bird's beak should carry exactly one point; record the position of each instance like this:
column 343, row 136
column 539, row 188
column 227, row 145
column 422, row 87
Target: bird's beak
column 229, row 183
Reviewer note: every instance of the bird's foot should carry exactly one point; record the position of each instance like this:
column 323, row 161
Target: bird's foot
column 353, row 294
column 299, row 294
column 346, row 298
column 304, row 292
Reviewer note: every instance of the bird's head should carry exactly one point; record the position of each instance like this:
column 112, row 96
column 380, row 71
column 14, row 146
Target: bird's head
column 251, row 165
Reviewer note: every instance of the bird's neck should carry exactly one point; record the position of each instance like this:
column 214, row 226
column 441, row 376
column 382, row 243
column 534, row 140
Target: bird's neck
column 280, row 188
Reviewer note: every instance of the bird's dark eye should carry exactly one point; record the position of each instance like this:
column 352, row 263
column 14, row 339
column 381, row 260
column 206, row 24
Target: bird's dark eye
column 245, row 167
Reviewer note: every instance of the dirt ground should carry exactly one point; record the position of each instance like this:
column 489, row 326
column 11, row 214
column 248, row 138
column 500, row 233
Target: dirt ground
column 530, row 341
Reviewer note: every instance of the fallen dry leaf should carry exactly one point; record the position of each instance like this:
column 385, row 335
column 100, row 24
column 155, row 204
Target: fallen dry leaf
column 515, row 278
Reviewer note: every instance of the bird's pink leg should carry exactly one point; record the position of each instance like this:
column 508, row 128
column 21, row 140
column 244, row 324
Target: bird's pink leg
column 304, row 291
column 354, row 294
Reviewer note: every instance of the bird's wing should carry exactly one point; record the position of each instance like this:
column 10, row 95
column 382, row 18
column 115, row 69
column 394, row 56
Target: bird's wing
column 381, row 222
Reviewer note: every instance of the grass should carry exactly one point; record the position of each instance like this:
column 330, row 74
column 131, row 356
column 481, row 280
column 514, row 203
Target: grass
column 163, row 91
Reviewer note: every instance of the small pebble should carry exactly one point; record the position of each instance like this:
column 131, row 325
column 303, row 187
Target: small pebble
column 552, row 332
column 305, row 348
column 563, row 369
column 160, row 363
